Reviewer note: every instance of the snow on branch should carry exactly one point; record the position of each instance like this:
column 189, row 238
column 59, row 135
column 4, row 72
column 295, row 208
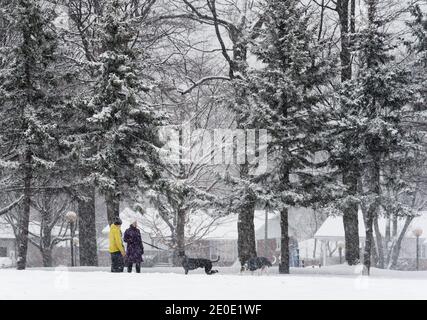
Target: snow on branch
column 201, row 81
column 10, row 206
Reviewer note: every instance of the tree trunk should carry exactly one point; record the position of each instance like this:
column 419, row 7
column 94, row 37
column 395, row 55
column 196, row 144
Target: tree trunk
column 322, row 14
column 112, row 200
column 284, row 244
column 24, row 219
column 88, row 250
column 180, row 216
column 368, row 241
column 284, row 224
column 380, row 244
column 372, row 212
column 394, row 230
column 47, row 257
column 180, row 236
column 374, row 252
column 316, row 227
column 246, row 243
column 350, row 173
column 396, row 248
column 345, row 54
column 46, row 249
column 350, row 221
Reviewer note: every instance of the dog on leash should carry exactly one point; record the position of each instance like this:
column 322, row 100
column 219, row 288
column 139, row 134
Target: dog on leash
column 256, row 263
column 194, row 263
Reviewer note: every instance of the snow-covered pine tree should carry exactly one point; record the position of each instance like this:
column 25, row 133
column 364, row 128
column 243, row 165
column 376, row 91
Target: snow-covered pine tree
column 284, row 100
column 379, row 95
column 81, row 29
column 347, row 162
column 339, row 145
column 124, row 123
column 30, row 103
column 419, row 49
column 403, row 190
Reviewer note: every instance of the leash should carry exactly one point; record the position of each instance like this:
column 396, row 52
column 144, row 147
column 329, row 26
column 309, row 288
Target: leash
column 151, row 245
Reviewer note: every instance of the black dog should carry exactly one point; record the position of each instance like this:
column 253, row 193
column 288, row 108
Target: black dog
column 192, row 263
column 256, row 263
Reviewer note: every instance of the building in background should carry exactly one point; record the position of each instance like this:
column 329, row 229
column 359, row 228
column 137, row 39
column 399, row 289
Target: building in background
column 330, row 237
column 60, row 253
column 216, row 237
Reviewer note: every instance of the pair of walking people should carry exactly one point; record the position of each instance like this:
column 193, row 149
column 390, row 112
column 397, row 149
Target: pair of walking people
column 134, row 250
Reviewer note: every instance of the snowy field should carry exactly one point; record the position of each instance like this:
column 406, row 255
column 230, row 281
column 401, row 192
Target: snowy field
column 335, row 282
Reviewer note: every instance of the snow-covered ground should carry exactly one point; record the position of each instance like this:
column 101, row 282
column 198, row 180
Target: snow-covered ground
column 335, row 282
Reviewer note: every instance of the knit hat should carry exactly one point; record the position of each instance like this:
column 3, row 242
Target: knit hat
column 117, row 220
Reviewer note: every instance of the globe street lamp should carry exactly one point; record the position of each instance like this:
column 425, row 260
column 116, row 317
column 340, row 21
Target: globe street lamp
column 71, row 218
column 417, row 233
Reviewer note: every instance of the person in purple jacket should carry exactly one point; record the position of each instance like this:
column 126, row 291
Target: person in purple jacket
column 135, row 248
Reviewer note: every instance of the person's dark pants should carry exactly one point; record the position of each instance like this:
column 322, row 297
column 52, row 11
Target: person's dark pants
column 117, row 263
column 137, row 267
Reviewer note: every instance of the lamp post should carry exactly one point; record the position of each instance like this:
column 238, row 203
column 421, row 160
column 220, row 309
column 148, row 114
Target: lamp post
column 71, row 218
column 266, row 233
column 417, row 233
column 76, row 248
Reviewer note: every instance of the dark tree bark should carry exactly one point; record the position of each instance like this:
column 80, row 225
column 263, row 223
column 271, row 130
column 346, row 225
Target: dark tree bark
column 47, row 257
column 350, row 221
column 180, row 236
column 372, row 212
column 246, row 243
column 88, row 250
column 350, row 168
column 368, row 241
column 284, row 224
column 46, row 240
column 24, row 218
column 284, row 244
column 394, row 230
column 112, row 201
column 345, row 54
column 179, row 219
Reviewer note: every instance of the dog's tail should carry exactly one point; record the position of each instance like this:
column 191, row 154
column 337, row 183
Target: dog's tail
column 216, row 259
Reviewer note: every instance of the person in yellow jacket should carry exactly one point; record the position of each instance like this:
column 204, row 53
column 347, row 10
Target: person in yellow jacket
column 116, row 249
